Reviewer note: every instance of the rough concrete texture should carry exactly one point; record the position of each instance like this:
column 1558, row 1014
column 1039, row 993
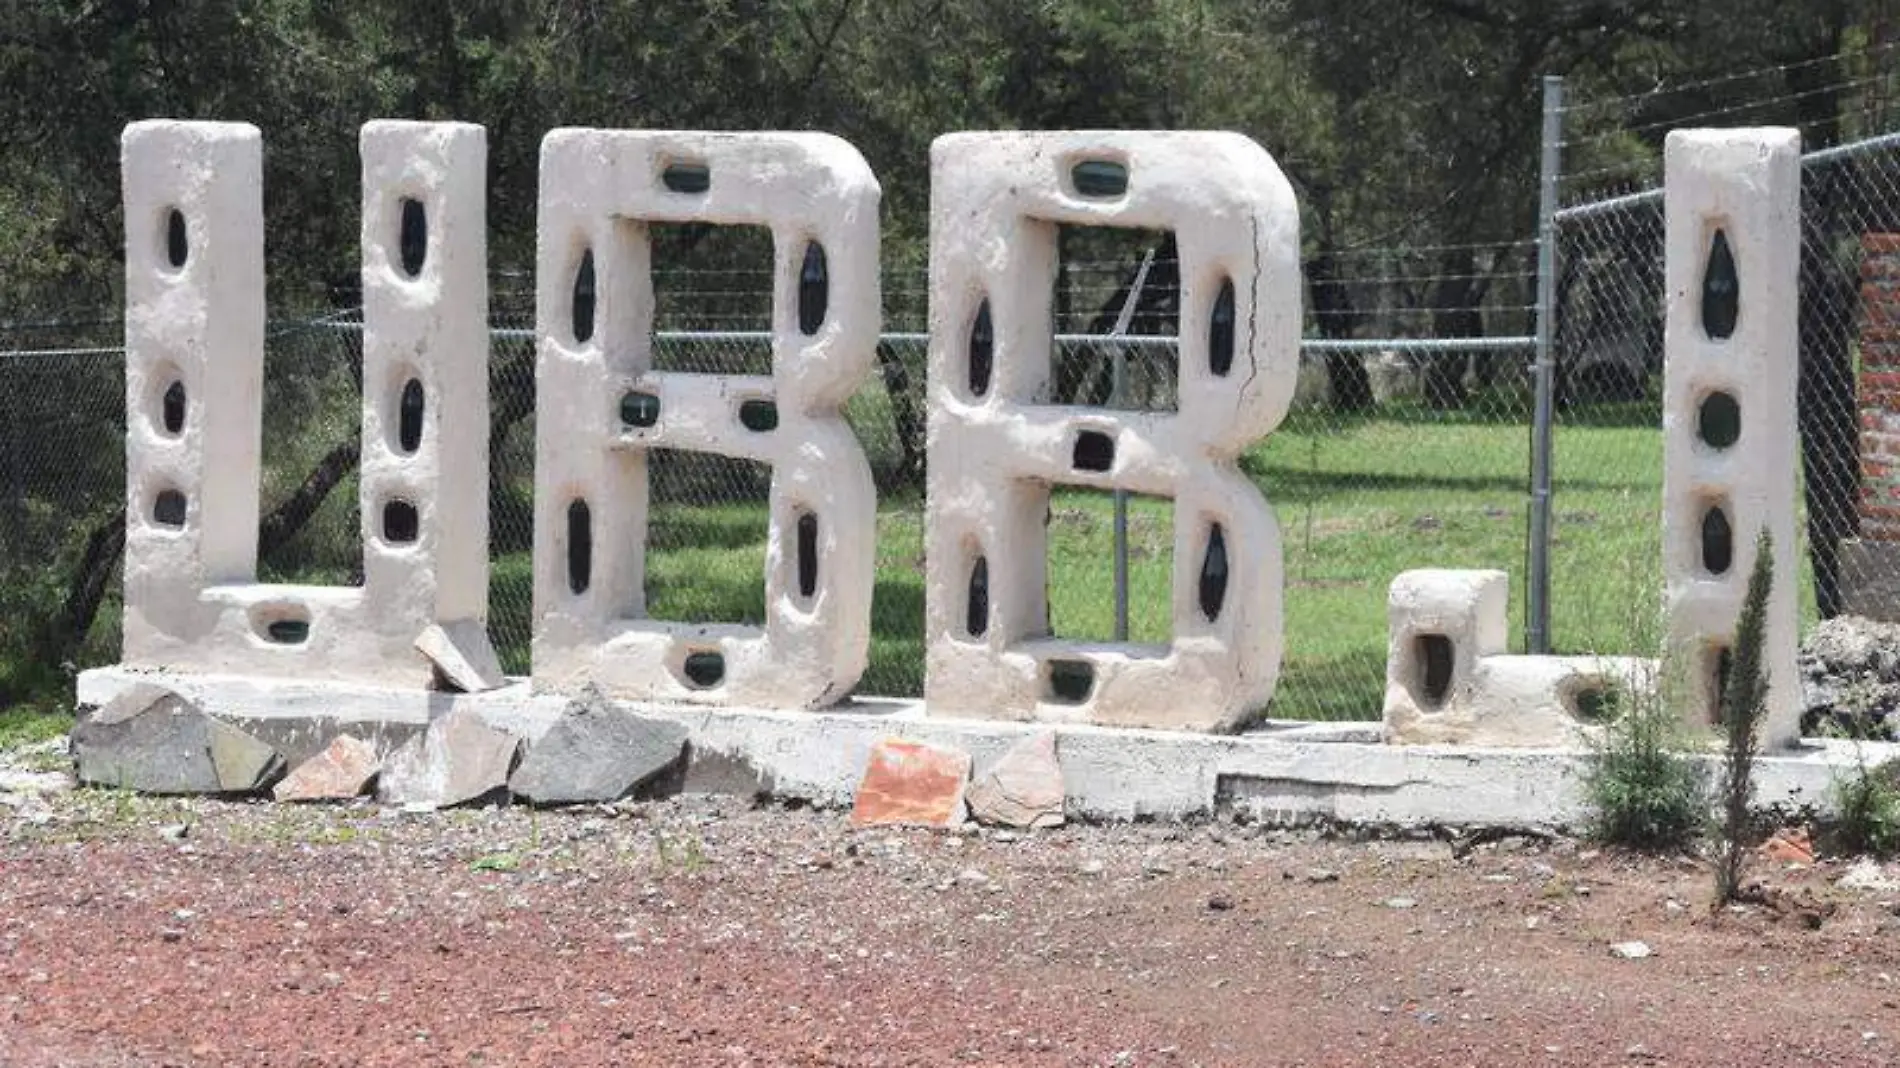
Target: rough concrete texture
column 1110, row 773
column 170, row 746
column 343, row 770
column 462, row 653
column 194, row 375
column 1850, row 678
column 1023, row 788
column 459, row 759
column 1746, row 184
column 1449, row 681
column 597, row 751
column 911, row 783
column 820, row 199
column 996, row 450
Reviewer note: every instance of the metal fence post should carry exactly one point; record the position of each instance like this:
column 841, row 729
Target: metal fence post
column 1537, row 569
column 1118, row 396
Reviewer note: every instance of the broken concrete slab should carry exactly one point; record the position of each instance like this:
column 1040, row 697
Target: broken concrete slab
column 597, row 751
column 459, row 759
column 342, row 771
column 1023, row 788
column 170, row 747
column 913, row 783
column 462, row 653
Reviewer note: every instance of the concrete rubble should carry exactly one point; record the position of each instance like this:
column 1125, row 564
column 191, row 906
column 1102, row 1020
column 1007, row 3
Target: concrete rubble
column 459, row 759
column 597, row 752
column 911, row 783
column 1023, row 788
column 169, row 746
column 344, row 770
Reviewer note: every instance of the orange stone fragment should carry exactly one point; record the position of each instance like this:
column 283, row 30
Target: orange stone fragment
column 909, row 782
column 1789, row 846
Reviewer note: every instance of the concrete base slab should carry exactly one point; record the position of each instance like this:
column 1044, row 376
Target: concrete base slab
column 1284, row 775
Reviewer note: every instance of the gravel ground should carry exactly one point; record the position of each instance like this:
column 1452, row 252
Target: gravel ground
column 143, row 931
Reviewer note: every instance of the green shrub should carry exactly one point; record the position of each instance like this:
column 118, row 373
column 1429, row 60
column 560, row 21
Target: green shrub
column 1867, row 811
column 1744, row 703
column 1645, row 790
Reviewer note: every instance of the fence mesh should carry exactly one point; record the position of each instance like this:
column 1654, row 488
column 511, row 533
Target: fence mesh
column 1393, row 457
column 1606, row 573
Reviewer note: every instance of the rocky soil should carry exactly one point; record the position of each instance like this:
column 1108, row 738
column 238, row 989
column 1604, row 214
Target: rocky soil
column 143, row 931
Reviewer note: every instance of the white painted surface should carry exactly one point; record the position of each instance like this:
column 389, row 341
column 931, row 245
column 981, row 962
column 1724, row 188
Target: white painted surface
column 191, row 599
column 1489, row 698
column 1748, row 183
column 1108, row 772
column 599, row 190
column 996, row 200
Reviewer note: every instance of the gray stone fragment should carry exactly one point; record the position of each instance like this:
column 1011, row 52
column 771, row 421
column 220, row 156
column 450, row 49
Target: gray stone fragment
column 459, row 759
column 169, row 747
column 597, row 751
column 1023, row 788
column 460, row 650
column 340, row 772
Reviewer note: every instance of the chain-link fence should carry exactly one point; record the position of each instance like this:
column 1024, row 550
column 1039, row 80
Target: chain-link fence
column 1606, row 572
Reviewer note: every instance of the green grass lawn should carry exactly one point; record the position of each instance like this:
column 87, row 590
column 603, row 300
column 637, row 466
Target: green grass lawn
column 1358, row 502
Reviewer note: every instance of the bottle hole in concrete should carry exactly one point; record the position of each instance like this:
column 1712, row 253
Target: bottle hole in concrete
column 1070, row 681
column 1719, row 420
column 1213, row 592
column 1099, row 178
column 704, row 670
column 580, row 546
column 1435, row 661
column 583, row 302
column 687, row 177
column 401, row 522
column 814, row 289
column 976, row 611
column 639, row 409
column 807, row 554
column 1721, row 290
column 1220, row 331
column 413, row 242
column 168, row 509
column 982, row 349
column 172, row 408
column 759, row 416
column 287, row 631
column 1718, row 541
column 177, row 240
column 1094, row 451
column 409, row 410
column 1594, row 704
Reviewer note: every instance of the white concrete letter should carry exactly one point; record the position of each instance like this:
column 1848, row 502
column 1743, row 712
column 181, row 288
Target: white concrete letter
column 194, row 390
column 1732, row 209
column 599, row 191
column 996, row 447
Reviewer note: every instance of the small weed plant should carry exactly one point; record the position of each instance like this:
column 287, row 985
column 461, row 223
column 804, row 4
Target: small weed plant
column 1867, row 811
column 1645, row 790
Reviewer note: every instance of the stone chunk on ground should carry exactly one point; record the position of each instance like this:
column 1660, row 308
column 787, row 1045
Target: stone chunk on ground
column 597, row 751
column 1023, row 788
column 170, row 746
column 913, row 783
column 343, row 770
column 459, row 759
column 462, row 654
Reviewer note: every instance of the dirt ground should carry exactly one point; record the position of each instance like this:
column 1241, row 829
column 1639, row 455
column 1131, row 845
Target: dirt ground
column 139, row 931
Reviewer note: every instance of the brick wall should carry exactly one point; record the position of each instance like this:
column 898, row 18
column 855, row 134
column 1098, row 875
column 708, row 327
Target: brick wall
column 1878, row 387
